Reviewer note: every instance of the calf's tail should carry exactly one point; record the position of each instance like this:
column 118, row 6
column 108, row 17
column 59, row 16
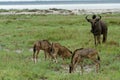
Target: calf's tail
column 34, row 48
column 98, row 57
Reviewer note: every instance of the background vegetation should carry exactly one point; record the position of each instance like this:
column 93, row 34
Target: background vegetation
column 19, row 32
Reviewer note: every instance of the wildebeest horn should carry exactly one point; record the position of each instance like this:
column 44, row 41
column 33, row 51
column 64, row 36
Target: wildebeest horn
column 86, row 17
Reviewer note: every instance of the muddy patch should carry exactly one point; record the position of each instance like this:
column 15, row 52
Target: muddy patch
column 19, row 51
column 7, row 50
column 31, row 49
column 87, row 68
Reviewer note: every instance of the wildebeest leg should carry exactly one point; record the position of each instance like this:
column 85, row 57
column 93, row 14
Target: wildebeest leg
column 98, row 39
column 81, row 65
column 97, row 63
column 36, row 60
column 95, row 40
column 55, row 58
column 45, row 54
column 104, row 38
column 54, row 55
column 63, row 57
column 50, row 56
column 34, row 57
column 34, row 52
column 76, row 62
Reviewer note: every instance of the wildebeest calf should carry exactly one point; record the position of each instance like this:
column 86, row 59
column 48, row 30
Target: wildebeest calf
column 98, row 27
column 44, row 45
column 80, row 54
column 58, row 50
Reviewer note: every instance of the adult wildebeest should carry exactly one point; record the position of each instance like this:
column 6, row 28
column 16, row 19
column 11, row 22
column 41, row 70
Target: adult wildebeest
column 41, row 45
column 58, row 50
column 98, row 27
column 80, row 54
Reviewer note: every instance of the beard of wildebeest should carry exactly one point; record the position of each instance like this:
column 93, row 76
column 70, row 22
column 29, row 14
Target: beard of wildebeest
column 98, row 28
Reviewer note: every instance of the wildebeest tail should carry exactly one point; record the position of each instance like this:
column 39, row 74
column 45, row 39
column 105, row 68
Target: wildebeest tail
column 34, row 48
column 98, row 57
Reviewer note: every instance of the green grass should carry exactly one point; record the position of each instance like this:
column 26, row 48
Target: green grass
column 19, row 32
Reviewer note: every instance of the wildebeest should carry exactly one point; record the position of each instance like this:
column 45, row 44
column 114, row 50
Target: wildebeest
column 58, row 50
column 79, row 55
column 44, row 45
column 98, row 27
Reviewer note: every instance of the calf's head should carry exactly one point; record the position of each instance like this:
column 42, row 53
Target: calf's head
column 70, row 68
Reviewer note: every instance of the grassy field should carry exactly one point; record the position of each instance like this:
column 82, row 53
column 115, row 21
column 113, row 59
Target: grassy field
column 19, row 32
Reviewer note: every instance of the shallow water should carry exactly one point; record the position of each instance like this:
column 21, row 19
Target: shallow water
column 64, row 6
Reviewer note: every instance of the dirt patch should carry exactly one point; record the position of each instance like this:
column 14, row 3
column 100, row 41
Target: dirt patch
column 43, row 78
column 113, row 43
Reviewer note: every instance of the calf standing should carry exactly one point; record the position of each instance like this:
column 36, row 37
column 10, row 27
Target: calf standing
column 44, row 45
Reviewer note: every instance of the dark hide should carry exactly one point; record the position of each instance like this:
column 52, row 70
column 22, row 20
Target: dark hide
column 98, row 28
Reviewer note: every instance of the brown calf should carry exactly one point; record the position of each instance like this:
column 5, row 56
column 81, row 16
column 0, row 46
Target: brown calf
column 80, row 54
column 58, row 50
column 41, row 45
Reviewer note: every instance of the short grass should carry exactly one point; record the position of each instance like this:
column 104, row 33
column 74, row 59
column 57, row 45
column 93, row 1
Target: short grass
column 19, row 32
